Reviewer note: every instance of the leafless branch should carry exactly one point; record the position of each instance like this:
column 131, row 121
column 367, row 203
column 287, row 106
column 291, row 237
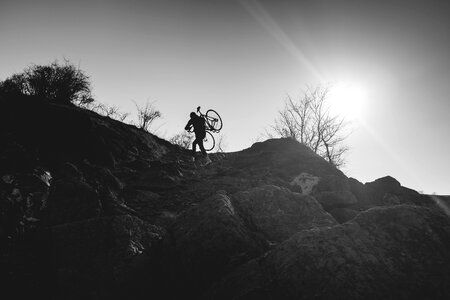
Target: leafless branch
column 147, row 114
column 308, row 119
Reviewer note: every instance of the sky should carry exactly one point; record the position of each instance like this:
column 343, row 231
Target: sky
column 243, row 57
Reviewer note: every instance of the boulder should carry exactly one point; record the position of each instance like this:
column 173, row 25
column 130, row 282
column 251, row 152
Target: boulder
column 278, row 213
column 93, row 257
column 382, row 186
column 72, row 200
column 23, row 197
column 81, row 192
column 283, row 159
column 206, row 242
column 359, row 190
column 388, row 191
column 333, row 199
column 385, row 184
column 343, row 215
column 398, row 252
column 333, row 182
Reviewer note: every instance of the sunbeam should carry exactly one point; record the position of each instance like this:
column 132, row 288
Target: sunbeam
column 390, row 151
column 260, row 14
column 441, row 204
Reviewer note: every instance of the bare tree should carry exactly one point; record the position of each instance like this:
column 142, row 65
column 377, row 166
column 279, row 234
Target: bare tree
column 147, row 114
column 183, row 139
column 111, row 111
column 308, row 120
column 121, row 116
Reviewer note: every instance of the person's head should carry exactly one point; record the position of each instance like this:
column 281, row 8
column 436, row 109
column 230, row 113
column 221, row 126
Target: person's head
column 193, row 115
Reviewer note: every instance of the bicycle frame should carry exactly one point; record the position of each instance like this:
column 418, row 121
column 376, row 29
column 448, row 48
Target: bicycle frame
column 210, row 122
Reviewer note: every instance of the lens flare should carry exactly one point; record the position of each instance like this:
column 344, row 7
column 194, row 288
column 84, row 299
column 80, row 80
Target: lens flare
column 347, row 100
column 260, row 14
column 441, row 204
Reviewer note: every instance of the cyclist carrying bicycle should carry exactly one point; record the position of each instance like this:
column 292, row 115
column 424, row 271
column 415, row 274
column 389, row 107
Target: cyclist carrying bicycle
column 198, row 122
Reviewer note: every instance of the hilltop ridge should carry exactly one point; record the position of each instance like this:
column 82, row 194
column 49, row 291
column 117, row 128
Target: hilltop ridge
column 93, row 208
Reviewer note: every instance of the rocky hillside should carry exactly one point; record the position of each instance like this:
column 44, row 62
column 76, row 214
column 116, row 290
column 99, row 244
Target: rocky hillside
column 92, row 208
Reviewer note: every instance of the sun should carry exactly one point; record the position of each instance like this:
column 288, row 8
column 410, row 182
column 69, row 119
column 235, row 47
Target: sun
column 347, row 100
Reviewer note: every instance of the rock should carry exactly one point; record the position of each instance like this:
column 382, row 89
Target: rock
column 69, row 171
column 343, row 215
column 70, row 201
column 386, row 184
column 14, row 156
column 23, row 197
column 398, row 252
column 277, row 213
column 83, row 191
column 359, row 190
column 94, row 256
column 390, row 199
column 443, row 202
column 305, row 183
column 206, row 242
column 137, row 164
column 335, row 199
column 159, row 178
column 378, row 188
column 145, row 203
column 331, row 182
column 388, row 191
column 284, row 158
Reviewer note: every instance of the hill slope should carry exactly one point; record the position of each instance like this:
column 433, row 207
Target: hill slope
column 94, row 208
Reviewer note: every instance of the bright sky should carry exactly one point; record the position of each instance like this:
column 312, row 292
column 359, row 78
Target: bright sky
column 242, row 58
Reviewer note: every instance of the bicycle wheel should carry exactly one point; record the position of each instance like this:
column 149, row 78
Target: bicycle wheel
column 214, row 120
column 208, row 141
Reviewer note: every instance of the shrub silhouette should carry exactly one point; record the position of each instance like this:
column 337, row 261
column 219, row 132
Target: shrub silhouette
column 58, row 82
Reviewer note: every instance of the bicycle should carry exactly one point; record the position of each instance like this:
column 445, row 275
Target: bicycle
column 213, row 124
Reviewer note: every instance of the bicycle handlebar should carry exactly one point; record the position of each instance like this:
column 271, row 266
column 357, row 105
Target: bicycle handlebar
column 198, row 109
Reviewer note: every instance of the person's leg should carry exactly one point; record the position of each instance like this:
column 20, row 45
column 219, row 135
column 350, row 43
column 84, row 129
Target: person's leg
column 202, row 148
column 194, row 147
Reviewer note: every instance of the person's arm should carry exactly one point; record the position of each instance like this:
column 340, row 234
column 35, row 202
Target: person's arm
column 188, row 125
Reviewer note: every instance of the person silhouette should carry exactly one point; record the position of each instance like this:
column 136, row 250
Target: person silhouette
column 199, row 125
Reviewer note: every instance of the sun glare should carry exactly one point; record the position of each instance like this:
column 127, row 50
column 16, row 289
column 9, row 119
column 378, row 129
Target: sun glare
column 347, row 100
